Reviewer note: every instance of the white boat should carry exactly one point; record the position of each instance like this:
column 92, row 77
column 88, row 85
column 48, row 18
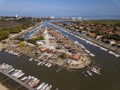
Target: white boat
column 24, row 78
column 14, row 72
column 11, row 70
column 46, row 64
column 89, row 73
column 30, row 59
column 49, row 65
column 39, row 63
column 66, row 36
column 43, row 88
column 113, row 53
column 28, row 79
column 96, row 69
column 49, row 87
column 87, row 51
column 103, row 49
column 76, row 42
column 17, row 73
column 117, row 55
column 35, row 83
column 41, row 85
column 32, row 81
column 20, row 75
column 91, row 54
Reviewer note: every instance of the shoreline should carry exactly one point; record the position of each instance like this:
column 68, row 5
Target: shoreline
column 23, row 32
column 100, row 43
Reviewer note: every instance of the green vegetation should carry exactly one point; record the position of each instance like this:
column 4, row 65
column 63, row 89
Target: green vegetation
column 3, row 34
column 15, row 26
column 97, row 32
column 20, row 39
column 106, row 36
column 22, row 44
column 111, row 22
column 3, row 42
column 63, row 56
column 33, row 40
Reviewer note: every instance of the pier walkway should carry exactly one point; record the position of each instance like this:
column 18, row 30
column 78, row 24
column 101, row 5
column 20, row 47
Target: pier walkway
column 18, row 81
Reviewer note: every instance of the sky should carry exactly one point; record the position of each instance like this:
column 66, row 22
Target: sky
column 59, row 7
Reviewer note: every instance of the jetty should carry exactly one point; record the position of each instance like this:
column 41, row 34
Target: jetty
column 18, row 81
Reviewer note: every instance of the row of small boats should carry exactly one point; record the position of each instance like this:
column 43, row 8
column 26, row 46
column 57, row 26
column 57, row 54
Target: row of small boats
column 41, row 62
column 44, row 86
column 6, row 68
column 10, row 70
column 89, row 42
column 87, row 51
column 27, row 79
column 13, row 53
column 113, row 53
column 102, row 48
column 45, row 64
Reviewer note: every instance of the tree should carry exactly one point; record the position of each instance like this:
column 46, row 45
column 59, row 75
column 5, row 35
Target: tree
column 22, row 44
column 3, row 42
column 63, row 56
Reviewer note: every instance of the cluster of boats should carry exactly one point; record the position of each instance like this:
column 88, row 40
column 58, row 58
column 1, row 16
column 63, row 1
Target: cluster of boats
column 44, row 63
column 13, row 53
column 17, row 73
column 95, row 69
column 30, row 80
column 10, row 70
column 27, row 79
column 6, row 68
column 87, row 51
column 41, row 62
column 44, row 86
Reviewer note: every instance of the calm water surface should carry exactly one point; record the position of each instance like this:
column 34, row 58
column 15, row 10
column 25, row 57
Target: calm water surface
column 65, row 80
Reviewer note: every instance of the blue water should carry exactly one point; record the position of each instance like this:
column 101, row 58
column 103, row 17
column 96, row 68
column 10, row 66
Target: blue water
column 91, row 17
column 32, row 32
column 101, row 17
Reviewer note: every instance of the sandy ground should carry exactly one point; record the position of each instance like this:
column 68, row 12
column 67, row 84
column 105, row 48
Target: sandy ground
column 2, row 87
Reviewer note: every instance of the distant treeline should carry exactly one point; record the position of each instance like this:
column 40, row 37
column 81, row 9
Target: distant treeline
column 111, row 22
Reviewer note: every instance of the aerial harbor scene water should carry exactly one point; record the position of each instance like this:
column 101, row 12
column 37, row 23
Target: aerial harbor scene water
column 59, row 45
